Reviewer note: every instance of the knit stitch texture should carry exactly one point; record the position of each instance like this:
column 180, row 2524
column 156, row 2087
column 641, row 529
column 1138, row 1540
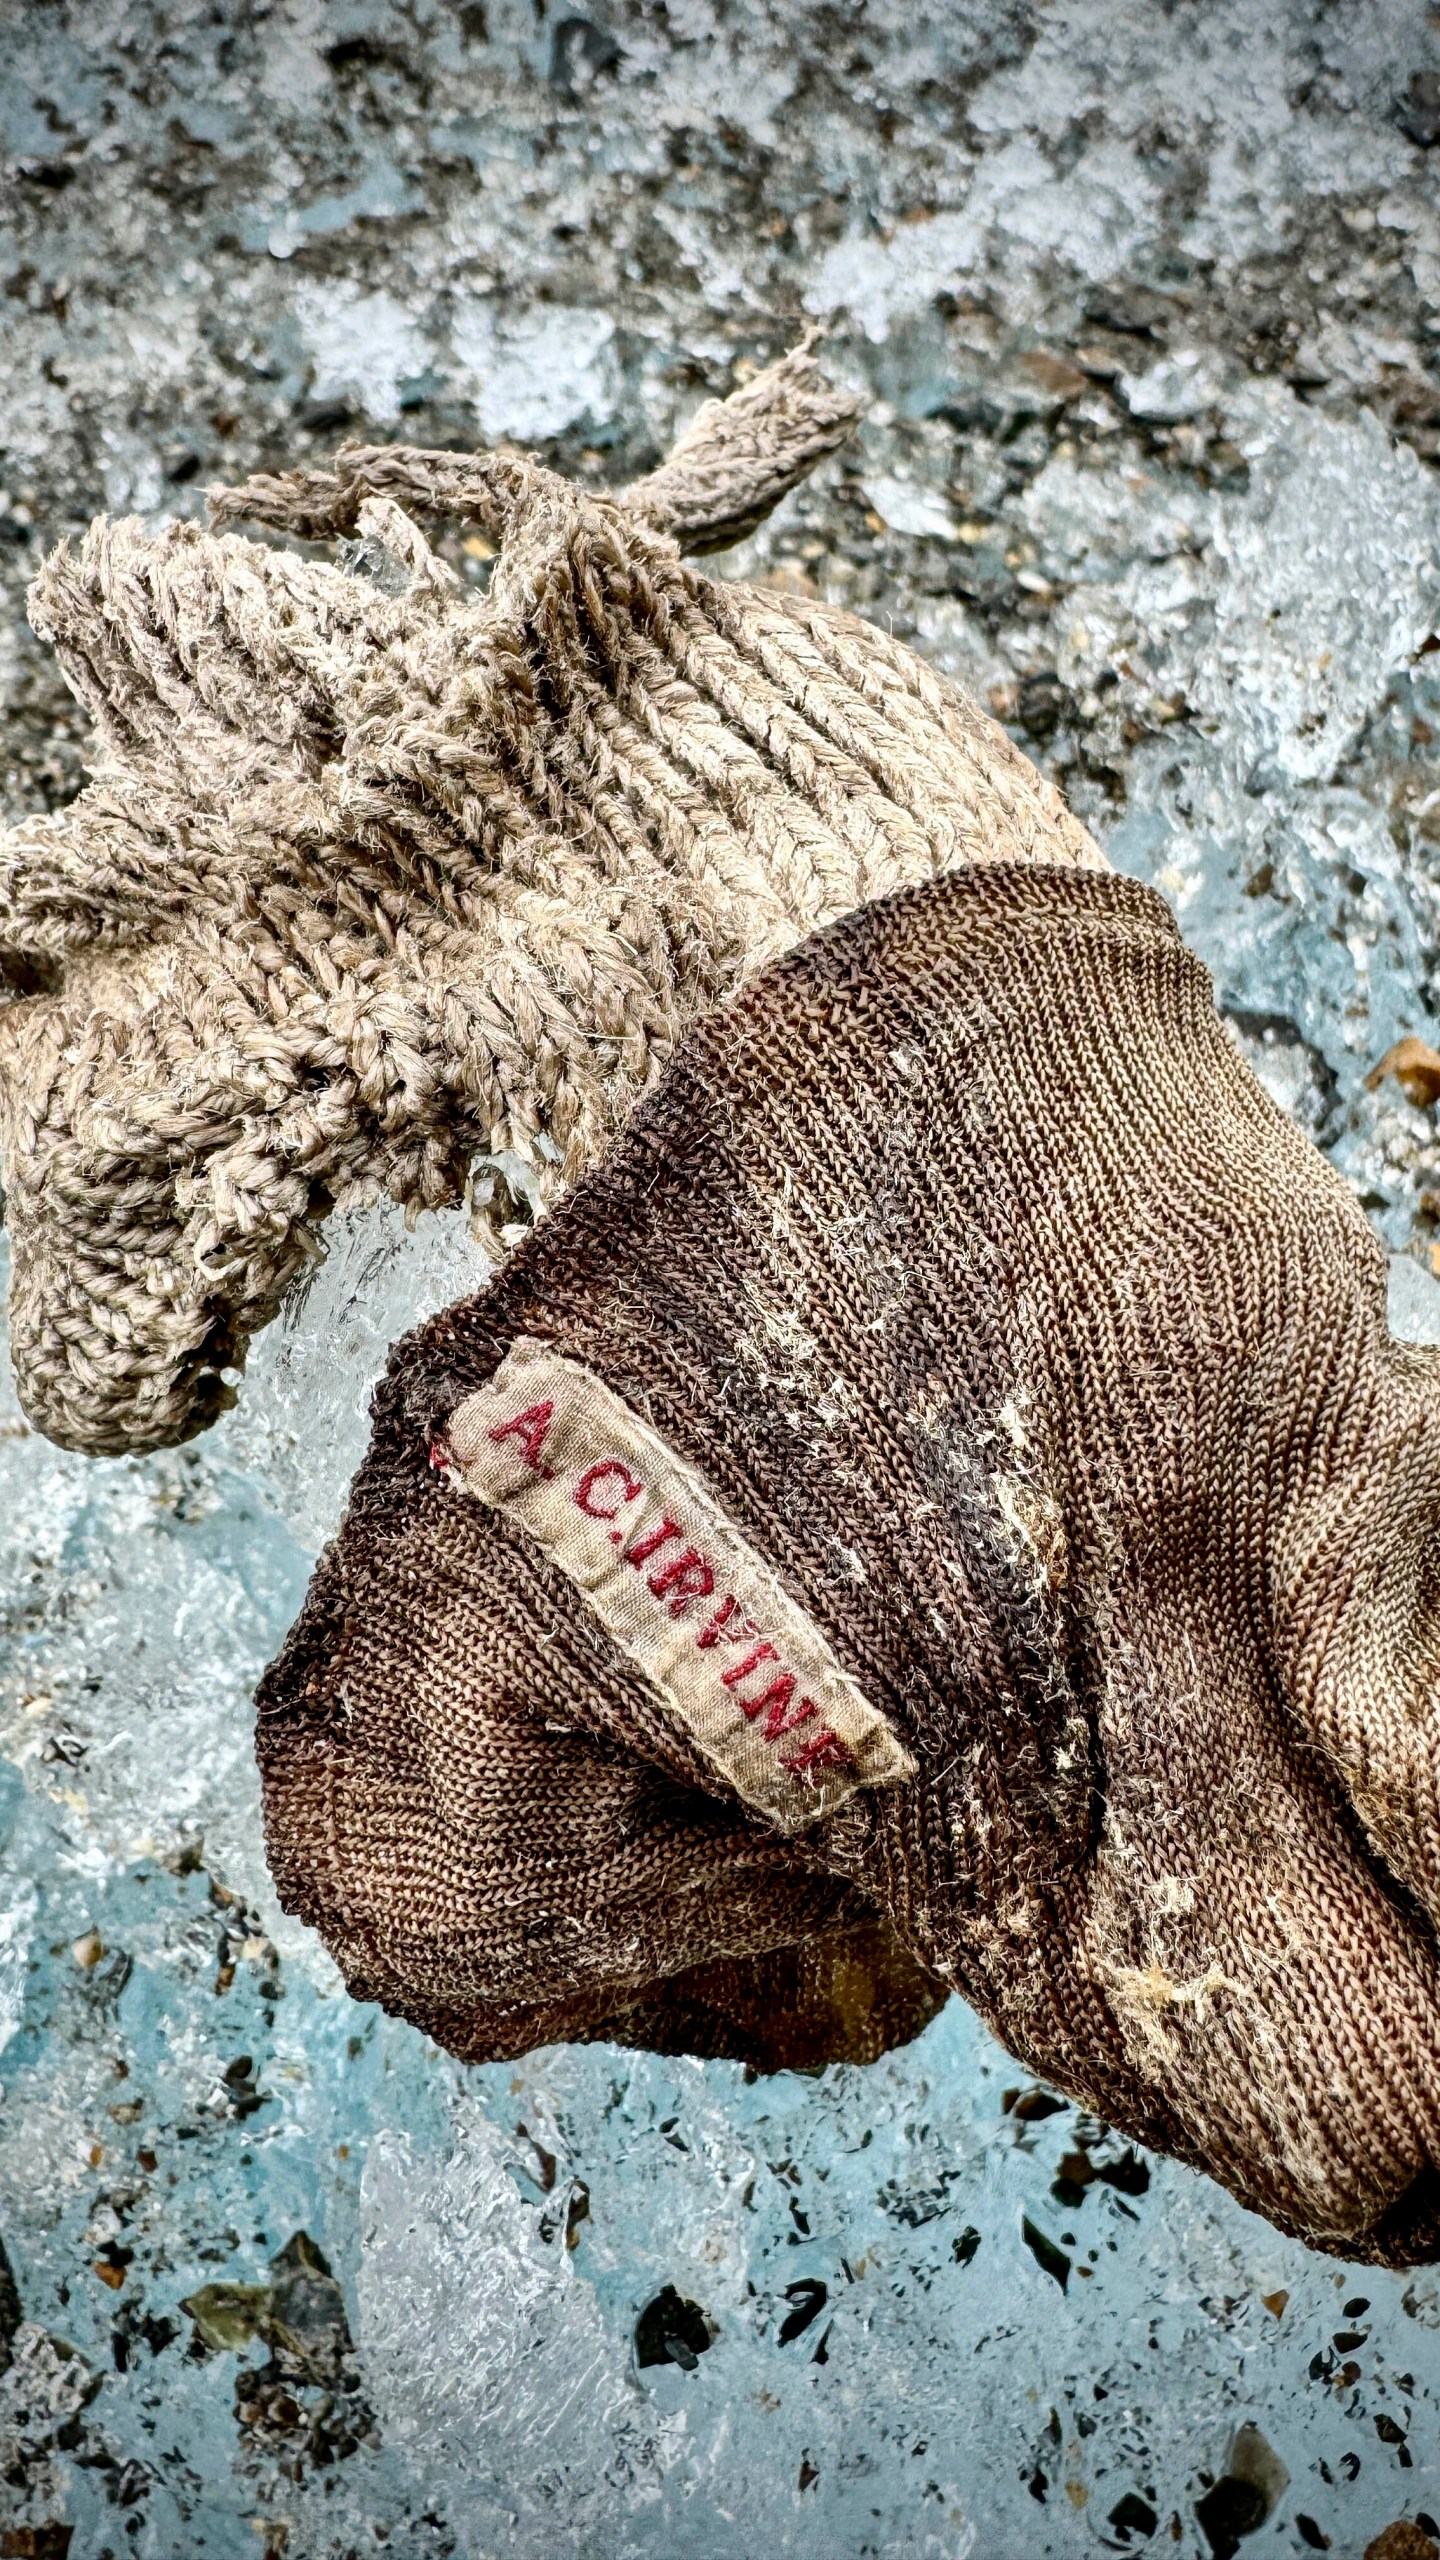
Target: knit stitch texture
column 377, row 881
column 964, row 1262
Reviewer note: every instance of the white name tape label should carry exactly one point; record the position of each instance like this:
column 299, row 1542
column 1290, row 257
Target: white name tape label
column 736, row 1661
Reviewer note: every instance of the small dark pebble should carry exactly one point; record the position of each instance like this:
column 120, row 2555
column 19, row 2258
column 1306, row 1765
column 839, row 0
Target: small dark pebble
column 1044, row 702
column 1052, row 2261
column 320, row 417
column 1228, row 2512
column 129, row 2485
column 672, row 2330
column 1418, row 112
column 809, row 2297
column 1133, row 2514
column 1077, row 2172
column 1034, row 2105
column 1129, row 2175
column 12, row 2310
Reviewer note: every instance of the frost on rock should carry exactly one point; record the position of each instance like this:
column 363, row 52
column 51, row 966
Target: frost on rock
column 1147, row 307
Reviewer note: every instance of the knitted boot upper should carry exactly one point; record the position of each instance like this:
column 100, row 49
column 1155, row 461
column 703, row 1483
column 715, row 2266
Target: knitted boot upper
column 1016, row 1369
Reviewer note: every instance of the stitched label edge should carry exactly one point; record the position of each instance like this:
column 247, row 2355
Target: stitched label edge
column 735, row 1661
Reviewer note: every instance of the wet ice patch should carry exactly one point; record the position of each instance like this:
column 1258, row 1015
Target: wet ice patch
column 1251, row 633
column 361, row 346
column 302, row 1419
column 532, row 374
column 1092, row 217
column 521, row 2397
column 880, row 282
column 1414, row 1301
column 1306, row 634
column 17, row 1926
column 1224, row 92
column 141, row 1598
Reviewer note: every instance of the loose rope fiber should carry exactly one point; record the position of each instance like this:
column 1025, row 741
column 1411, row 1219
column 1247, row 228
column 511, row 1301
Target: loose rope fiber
column 376, row 879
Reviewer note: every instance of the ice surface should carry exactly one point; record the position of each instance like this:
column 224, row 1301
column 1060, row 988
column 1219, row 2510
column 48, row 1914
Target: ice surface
column 943, row 2317
column 141, row 1598
column 301, row 1420
column 1414, row 1301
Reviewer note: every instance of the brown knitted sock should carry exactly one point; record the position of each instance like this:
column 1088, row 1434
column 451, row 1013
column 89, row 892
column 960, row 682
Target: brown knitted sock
column 378, row 878
column 949, row 1455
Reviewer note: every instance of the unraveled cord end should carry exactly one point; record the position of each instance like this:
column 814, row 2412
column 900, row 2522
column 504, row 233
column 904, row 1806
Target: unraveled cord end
column 741, row 456
column 738, row 459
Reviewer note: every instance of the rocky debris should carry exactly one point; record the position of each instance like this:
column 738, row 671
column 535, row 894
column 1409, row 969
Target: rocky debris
column 1246, row 2494
column 1402, row 2541
column 1132, row 2515
column 673, row 2330
column 11, row 2311
column 45, row 2389
column 1418, row 113
column 1052, row 2261
column 228, row 2316
column 807, row 2298
column 305, row 2400
column 1415, row 1067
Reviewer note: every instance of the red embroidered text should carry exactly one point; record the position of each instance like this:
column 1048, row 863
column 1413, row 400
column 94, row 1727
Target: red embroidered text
column 529, row 1428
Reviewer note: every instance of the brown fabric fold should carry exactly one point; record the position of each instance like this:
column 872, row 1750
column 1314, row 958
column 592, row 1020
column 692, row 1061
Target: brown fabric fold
column 1045, row 1365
